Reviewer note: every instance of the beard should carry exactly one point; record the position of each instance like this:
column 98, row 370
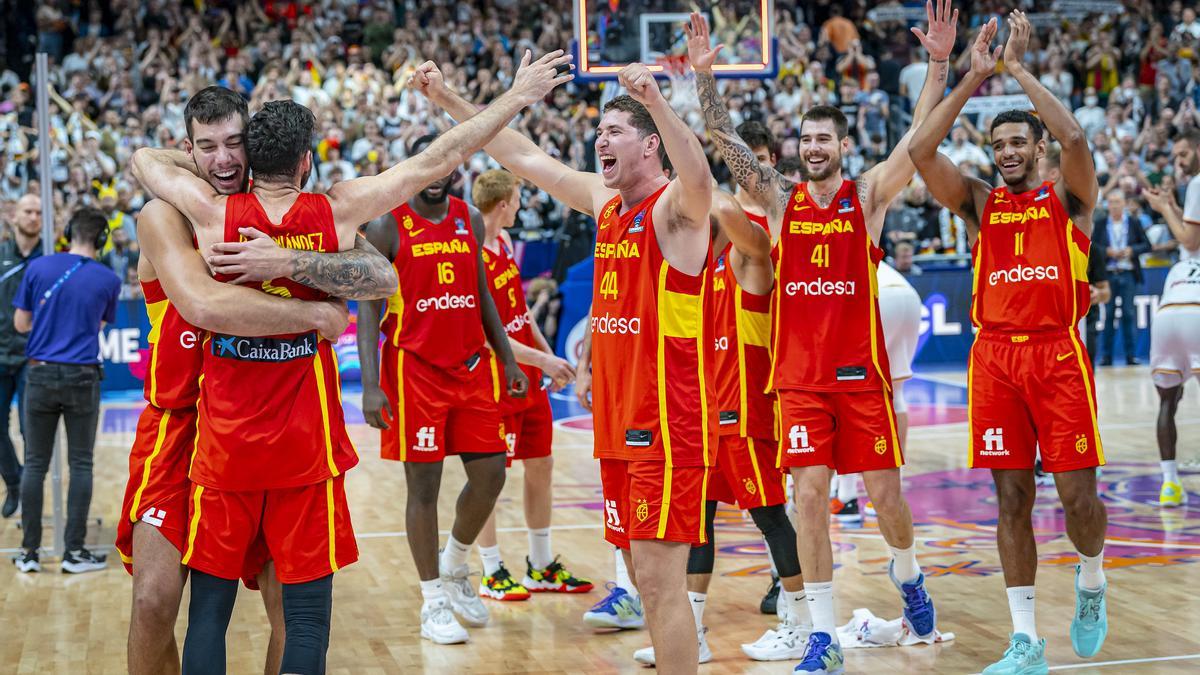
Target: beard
column 832, row 166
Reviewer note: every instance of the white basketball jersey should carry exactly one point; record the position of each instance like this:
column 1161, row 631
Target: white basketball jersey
column 1183, row 284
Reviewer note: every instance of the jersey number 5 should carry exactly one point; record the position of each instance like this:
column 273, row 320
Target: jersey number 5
column 608, row 285
column 445, row 272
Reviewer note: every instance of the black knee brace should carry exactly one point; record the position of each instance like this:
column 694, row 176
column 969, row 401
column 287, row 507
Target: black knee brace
column 306, row 610
column 208, row 619
column 773, row 522
column 702, row 558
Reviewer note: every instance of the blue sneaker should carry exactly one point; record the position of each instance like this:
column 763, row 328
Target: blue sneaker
column 1021, row 658
column 822, row 656
column 1089, row 626
column 919, row 612
column 618, row 609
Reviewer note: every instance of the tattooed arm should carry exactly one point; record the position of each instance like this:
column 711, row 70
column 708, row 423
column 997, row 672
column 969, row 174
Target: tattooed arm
column 361, row 273
column 763, row 183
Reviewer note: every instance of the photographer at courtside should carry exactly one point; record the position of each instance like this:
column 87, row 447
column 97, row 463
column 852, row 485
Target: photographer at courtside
column 62, row 303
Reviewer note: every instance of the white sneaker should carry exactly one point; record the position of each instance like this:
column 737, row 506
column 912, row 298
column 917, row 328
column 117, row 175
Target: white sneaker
column 785, row 642
column 645, row 655
column 438, row 624
column 463, row 598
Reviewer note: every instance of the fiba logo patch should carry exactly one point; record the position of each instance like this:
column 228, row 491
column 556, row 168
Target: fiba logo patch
column 612, row 518
column 425, row 440
column 642, row 511
column 751, row 488
column 637, row 223
column 880, row 445
column 460, row 226
column 1081, row 444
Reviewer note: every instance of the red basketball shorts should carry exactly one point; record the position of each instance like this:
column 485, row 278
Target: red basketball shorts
column 157, row 491
column 745, row 473
column 845, row 431
column 649, row 500
column 435, row 414
column 307, row 531
column 530, row 432
column 1027, row 392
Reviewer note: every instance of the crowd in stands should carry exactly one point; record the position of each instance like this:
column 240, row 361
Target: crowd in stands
column 122, row 71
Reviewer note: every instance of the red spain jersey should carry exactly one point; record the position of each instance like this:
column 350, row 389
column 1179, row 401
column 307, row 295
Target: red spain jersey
column 742, row 322
column 435, row 312
column 270, row 409
column 1030, row 264
column 827, row 335
column 173, row 375
column 504, row 283
column 652, row 354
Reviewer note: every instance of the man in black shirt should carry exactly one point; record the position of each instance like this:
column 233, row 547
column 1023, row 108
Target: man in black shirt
column 15, row 254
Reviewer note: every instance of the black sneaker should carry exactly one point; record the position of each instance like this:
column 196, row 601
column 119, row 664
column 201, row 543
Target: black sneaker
column 1131, row 361
column 82, row 560
column 27, row 561
column 12, row 501
column 770, row 601
column 849, row 512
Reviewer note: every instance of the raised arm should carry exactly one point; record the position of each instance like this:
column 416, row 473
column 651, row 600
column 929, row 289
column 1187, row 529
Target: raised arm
column 166, row 241
column 1185, row 232
column 961, row 194
column 1078, row 170
column 382, row 235
column 364, row 199
column 885, row 180
column 170, row 176
column 751, row 241
column 515, row 151
column 763, row 183
column 690, row 194
column 361, row 273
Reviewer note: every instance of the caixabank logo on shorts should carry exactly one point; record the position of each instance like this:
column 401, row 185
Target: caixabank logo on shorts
column 264, row 349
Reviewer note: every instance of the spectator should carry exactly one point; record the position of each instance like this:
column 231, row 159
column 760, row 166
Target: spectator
column 903, row 260
column 838, row 31
column 62, row 303
column 1123, row 239
column 1090, row 116
column 16, row 252
column 912, row 76
column 963, row 153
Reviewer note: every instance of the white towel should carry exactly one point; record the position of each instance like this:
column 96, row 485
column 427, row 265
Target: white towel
column 866, row 631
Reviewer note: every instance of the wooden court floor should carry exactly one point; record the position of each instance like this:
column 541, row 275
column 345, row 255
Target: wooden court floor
column 52, row 623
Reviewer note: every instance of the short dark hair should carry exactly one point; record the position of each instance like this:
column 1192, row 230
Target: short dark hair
column 640, row 119
column 1019, row 117
column 789, row 165
column 757, row 135
column 214, row 104
column 86, row 224
column 277, row 138
column 421, row 143
column 821, row 113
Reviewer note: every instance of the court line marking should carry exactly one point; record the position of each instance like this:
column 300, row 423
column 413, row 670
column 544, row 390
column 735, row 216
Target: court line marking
column 1123, row 662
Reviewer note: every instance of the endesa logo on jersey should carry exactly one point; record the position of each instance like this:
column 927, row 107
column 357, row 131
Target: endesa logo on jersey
column 819, row 286
column 446, row 301
column 1020, row 273
column 607, row 324
column 520, row 321
column 264, row 349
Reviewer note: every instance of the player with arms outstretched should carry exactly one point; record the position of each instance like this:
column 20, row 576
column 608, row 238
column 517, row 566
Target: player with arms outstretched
column 832, row 378
column 1030, row 381
column 655, row 423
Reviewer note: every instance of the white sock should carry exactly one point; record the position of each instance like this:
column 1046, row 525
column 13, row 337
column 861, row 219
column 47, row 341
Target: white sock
column 796, row 604
column 1170, row 469
column 1020, row 604
column 820, row 606
column 698, row 600
column 847, row 487
column 906, row 568
column 1091, row 571
column 623, row 580
column 432, row 590
column 490, row 557
column 454, row 555
column 540, row 554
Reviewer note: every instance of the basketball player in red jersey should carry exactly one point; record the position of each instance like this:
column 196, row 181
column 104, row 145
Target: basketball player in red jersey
column 528, row 422
column 655, row 422
column 440, row 388
column 183, row 300
column 259, row 465
column 1030, row 380
column 832, row 377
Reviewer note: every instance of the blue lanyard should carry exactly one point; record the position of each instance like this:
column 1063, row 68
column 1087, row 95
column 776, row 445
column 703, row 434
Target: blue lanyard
column 61, row 280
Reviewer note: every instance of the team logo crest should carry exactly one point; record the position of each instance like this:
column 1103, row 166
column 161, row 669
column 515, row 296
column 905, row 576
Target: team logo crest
column 751, row 488
column 845, row 206
column 642, row 511
column 799, row 197
column 1081, row 444
column 880, row 445
column 460, row 226
column 608, row 211
column 407, row 223
column 637, row 223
